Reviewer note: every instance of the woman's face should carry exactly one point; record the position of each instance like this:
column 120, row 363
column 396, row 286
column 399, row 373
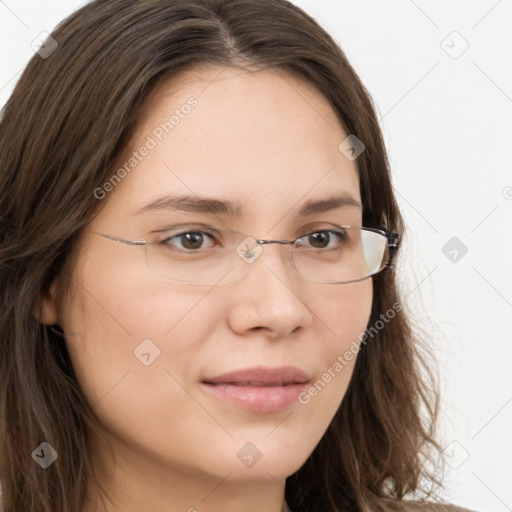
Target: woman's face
column 143, row 347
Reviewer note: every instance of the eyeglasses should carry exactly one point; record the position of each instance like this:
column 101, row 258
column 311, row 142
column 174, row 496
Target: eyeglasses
column 208, row 256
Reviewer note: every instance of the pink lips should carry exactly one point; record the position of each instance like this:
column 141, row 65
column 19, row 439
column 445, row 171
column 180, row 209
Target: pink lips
column 260, row 389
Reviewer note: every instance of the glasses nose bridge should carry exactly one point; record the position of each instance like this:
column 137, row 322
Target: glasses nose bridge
column 253, row 256
column 291, row 243
column 281, row 242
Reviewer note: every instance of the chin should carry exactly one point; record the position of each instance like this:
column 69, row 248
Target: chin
column 270, row 455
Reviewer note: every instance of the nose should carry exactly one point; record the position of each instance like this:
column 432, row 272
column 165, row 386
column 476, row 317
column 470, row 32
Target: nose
column 270, row 297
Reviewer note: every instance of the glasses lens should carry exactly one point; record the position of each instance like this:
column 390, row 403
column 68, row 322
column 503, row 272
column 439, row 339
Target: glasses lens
column 340, row 254
column 333, row 255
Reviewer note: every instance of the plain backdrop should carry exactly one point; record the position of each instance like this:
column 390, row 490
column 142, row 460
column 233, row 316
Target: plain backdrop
column 440, row 75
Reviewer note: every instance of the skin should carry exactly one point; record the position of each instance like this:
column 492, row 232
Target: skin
column 270, row 142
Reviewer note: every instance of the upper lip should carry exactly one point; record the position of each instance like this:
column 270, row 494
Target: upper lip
column 261, row 375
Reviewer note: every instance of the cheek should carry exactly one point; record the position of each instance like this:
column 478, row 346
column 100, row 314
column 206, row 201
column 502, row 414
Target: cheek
column 345, row 312
column 342, row 316
column 126, row 330
column 134, row 354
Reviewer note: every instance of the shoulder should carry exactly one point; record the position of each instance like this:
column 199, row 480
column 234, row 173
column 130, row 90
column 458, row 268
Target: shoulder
column 434, row 507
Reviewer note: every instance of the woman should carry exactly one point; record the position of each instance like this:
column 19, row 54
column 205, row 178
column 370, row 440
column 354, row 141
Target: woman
column 199, row 306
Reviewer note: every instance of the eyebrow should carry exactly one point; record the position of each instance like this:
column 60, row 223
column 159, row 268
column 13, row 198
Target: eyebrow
column 195, row 204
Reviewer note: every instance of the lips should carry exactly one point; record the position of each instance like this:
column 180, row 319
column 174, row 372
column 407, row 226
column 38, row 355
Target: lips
column 261, row 376
column 258, row 389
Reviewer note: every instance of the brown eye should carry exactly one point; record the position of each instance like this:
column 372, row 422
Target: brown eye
column 189, row 241
column 319, row 240
column 325, row 239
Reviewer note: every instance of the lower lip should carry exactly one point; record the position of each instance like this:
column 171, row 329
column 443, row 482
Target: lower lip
column 257, row 398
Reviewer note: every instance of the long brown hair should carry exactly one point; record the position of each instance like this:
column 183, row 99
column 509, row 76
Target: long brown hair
column 67, row 120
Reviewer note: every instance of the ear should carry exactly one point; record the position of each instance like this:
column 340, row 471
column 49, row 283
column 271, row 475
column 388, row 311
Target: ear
column 47, row 312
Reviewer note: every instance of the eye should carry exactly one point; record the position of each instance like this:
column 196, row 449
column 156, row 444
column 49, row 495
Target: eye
column 324, row 239
column 190, row 240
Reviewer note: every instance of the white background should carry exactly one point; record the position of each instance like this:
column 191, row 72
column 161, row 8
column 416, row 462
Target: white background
column 447, row 122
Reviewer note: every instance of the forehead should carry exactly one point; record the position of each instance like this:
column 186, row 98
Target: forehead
column 264, row 138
